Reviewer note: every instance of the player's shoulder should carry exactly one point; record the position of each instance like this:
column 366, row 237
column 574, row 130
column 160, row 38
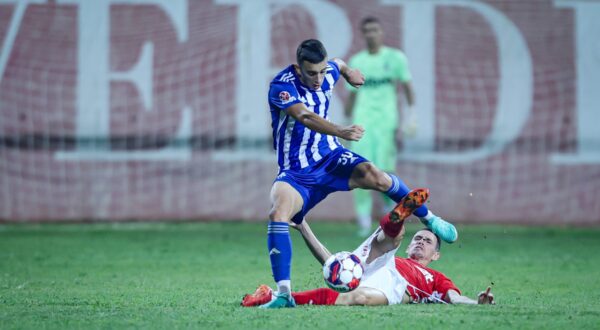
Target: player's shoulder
column 394, row 52
column 402, row 261
column 286, row 75
column 332, row 65
column 285, row 79
column 436, row 273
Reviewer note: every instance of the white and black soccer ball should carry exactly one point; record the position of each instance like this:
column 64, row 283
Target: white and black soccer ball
column 343, row 271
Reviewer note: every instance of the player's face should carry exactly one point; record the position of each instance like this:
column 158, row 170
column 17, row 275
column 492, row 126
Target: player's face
column 373, row 34
column 423, row 246
column 312, row 74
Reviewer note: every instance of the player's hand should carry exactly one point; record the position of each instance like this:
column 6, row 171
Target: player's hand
column 354, row 77
column 352, row 132
column 486, row 297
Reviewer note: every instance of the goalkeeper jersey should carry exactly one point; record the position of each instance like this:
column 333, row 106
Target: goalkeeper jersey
column 376, row 101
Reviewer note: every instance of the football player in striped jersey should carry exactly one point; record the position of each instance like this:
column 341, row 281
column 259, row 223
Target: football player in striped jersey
column 312, row 162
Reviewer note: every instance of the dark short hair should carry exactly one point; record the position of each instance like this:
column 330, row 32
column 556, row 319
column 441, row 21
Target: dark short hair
column 311, row 50
column 369, row 19
column 439, row 242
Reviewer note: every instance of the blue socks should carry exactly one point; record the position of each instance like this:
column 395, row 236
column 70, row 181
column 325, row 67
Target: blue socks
column 399, row 190
column 280, row 253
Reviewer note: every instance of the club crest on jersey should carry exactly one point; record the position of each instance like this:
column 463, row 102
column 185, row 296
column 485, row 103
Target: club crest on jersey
column 285, row 97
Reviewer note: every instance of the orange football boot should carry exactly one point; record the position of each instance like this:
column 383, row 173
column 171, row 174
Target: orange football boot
column 408, row 204
column 261, row 296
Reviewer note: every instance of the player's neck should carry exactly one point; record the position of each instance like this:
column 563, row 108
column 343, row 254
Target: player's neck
column 374, row 50
column 422, row 262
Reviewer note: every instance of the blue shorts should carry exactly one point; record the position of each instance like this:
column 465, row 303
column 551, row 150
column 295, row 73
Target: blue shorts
column 314, row 183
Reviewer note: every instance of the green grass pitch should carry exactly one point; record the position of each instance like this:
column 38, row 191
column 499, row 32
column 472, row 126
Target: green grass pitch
column 192, row 275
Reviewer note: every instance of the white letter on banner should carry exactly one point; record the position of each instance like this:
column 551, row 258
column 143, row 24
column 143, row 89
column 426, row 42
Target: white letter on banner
column 94, row 78
column 587, row 58
column 514, row 89
column 13, row 29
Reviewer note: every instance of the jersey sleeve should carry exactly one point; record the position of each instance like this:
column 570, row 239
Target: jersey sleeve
column 443, row 284
column 282, row 95
column 334, row 71
column 402, row 71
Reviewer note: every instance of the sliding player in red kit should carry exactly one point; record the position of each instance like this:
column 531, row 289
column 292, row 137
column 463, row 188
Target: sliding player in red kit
column 387, row 279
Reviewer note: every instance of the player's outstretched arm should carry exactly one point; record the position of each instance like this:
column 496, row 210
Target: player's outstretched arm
column 353, row 76
column 484, row 297
column 314, row 245
column 316, row 123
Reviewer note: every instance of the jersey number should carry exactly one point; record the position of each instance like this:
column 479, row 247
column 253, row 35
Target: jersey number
column 347, row 158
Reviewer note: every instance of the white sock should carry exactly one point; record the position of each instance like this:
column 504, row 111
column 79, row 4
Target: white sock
column 427, row 217
column 284, row 286
column 364, row 221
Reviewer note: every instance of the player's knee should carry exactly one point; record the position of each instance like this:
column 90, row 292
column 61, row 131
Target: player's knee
column 377, row 178
column 373, row 178
column 360, row 299
column 381, row 180
column 278, row 215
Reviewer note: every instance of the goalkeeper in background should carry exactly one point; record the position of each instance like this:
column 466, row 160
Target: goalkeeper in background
column 375, row 106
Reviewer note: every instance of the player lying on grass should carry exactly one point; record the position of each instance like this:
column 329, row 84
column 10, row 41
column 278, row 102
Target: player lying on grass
column 387, row 279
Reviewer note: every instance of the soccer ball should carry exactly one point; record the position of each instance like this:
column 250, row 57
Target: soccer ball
column 343, row 271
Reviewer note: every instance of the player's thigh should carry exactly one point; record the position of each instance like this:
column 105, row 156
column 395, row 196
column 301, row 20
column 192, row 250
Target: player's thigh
column 368, row 176
column 286, row 201
column 362, row 296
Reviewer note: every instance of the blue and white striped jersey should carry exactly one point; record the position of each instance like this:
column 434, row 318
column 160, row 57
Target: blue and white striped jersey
column 297, row 146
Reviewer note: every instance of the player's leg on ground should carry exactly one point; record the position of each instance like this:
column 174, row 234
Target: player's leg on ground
column 363, row 204
column 368, row 176
column 286, row 202
column 362, row 296
column 321, row 296
column 326, row 296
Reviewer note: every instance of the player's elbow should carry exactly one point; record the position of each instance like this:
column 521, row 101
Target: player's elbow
column 452, row 297
column 305, row 118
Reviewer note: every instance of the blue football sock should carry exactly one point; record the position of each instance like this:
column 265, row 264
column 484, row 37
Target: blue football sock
column 399, row 190
column 280, row 253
